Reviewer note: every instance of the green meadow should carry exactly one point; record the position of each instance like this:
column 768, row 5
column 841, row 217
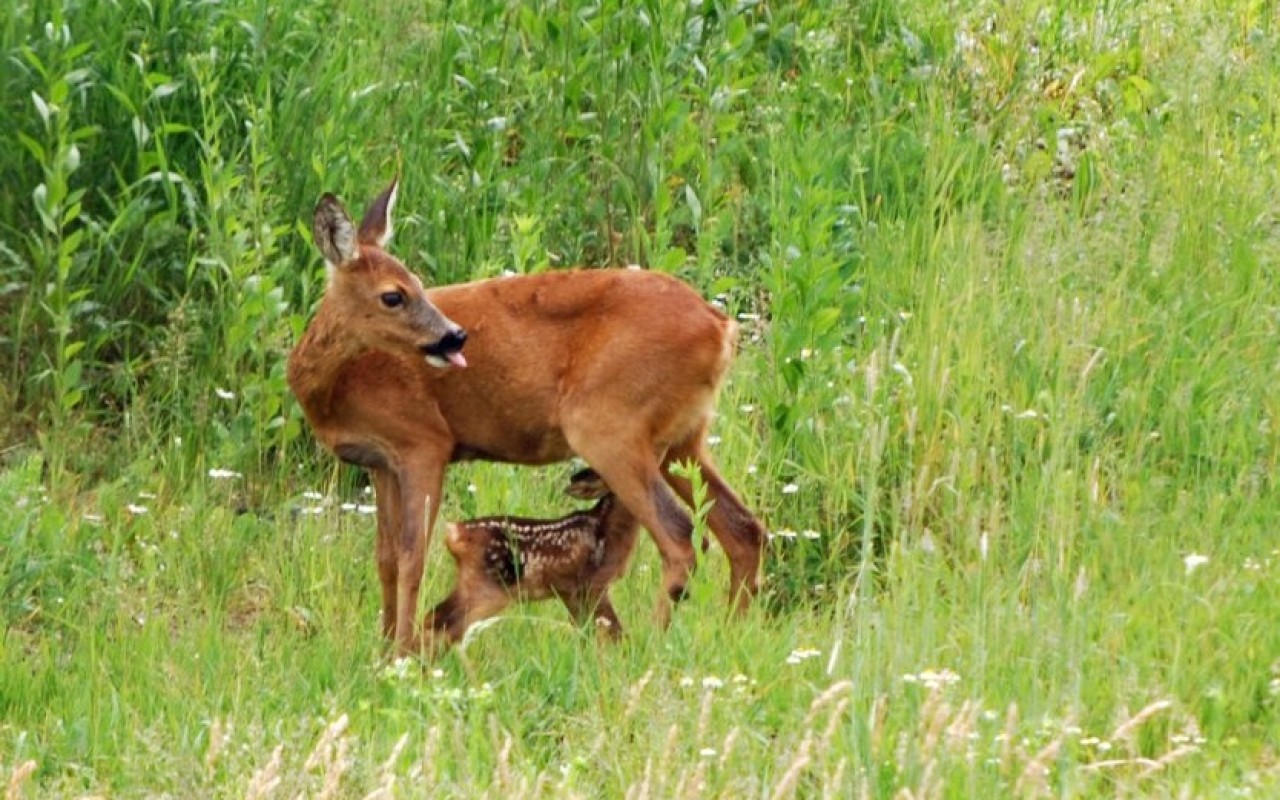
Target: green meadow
column 1006, row 276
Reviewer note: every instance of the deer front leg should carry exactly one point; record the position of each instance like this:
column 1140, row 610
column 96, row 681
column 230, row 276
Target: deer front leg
column 387, row 496
column 593, row 604
column 419, row 502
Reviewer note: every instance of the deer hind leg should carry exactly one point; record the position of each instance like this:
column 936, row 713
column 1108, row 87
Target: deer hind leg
column 630, row 469
column 475, row 599
column 735, row 528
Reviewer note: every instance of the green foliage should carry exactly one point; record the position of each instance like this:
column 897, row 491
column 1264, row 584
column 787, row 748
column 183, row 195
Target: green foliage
column 1004, row 279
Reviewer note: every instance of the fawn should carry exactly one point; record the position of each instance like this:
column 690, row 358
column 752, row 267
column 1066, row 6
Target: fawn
column 503, row 560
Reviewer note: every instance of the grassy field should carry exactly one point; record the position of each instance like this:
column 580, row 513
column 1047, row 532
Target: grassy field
column 1006, row 274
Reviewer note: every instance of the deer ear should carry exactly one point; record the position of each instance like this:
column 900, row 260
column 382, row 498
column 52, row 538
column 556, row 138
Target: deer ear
column 332, row 229
column 376, row 226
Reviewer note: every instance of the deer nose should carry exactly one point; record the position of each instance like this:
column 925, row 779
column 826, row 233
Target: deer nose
column 452, row 341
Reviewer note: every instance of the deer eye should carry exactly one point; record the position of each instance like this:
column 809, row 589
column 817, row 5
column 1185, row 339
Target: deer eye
column 392, row 299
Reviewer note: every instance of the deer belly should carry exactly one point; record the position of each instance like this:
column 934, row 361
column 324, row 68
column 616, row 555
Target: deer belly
column 516, row 447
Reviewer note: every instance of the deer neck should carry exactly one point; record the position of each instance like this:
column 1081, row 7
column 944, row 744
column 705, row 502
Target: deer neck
column 601, row 510
column 318, row 360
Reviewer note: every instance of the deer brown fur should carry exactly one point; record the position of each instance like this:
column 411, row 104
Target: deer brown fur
column 619, row 367
column 504, row 560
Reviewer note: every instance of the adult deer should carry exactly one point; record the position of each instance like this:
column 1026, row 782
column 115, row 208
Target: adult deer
column 620, row 367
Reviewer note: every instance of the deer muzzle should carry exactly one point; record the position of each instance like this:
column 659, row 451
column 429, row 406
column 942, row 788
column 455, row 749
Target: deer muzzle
column 447, row 349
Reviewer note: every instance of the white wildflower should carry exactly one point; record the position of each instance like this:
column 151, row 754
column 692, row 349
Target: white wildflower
column 790, row 488
column 223, row 474
column 802, row 654
column 932, row 679
column 135, row 509
column 1194, row 561
column 224, row 394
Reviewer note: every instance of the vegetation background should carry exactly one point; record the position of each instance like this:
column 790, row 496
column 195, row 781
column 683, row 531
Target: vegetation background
column 1005, row 396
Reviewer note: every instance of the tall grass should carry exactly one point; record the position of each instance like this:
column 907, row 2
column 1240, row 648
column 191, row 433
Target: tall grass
column 1004, row 273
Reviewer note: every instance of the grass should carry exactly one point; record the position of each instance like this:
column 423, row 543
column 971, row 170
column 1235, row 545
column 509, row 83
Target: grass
column 1005, row 274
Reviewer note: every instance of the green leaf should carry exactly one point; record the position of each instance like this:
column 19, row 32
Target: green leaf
column 825, row 320
column 672, row 260
column 34, row 147
column 72, row 241
column 69, row 352
column 695, row 205
column 42, row 108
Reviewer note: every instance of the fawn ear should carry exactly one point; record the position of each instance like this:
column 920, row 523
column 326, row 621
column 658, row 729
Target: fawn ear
column 332, row 229
column 376, row 226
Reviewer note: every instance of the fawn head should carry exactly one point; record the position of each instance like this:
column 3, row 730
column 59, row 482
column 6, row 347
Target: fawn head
column 380, row 301
column 586, row 484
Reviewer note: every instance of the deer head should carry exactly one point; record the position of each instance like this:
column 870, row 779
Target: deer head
column 382, row 302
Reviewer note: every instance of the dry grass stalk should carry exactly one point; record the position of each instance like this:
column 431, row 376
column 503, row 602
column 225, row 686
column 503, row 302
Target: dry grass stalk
column 641, row 791
column 693, row 785
column 1149, row 766
column 961, row 729
column 1127, row 728
column 387, row 779
column 1113, row 763
column 505, row 779
column 668, row 757
column 1033, row 782
column 833, row 692
column 18, row 777
column 634, row 693
column 388, row 766
column 833, row 724
column 833, row 782
column 218, row 739
column 704, row 715
column 265, row 780
column 1179, row 752
column 322, row 752
column 430, row 751
column 875, row 721
column 933, row 720
column 1006, row 745
column 337, row 766
column 730, row 742
column 791, row 778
